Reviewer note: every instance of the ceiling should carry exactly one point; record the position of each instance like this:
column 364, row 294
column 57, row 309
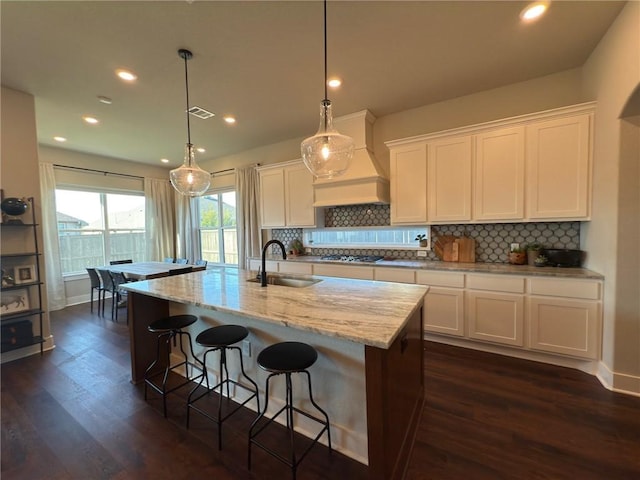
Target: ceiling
column 263, row 63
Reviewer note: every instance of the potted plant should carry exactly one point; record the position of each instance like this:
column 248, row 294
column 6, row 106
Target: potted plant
column 533, row 251
column 422, row 238
column 540, row 261
column 518, row 256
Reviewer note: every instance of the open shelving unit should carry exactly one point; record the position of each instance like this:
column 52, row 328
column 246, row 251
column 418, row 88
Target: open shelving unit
column 21, row 309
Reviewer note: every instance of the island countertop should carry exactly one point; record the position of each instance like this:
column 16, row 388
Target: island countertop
column 367, row 312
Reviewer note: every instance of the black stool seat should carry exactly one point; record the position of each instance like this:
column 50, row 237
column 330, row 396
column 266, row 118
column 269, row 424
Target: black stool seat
column 222, row 339
column 174, row 322
column 222, row 336
column 170, row 329
column 287, row 357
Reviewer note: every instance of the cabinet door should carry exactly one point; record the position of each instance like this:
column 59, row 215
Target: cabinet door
column 449, row 180
column 558, row 171
column 408, row 177
column 299, row 210
column 499, row 175
column 400, row 275
column 570, row 327
column 496, row 317
column 444, row 311
column 272, row 211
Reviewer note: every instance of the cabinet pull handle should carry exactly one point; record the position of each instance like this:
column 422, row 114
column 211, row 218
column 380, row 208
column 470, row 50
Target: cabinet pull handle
column 404, row 343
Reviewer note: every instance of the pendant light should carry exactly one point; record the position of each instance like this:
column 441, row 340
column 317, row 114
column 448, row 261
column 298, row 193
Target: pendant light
column 328, row 153
column 189, row 179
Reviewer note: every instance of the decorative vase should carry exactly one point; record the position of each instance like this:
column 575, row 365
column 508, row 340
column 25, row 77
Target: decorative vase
column 13, row 208
column 532, row 255
column 424, row 243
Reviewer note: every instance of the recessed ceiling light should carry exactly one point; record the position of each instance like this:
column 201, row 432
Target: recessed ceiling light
column 126, row 75
column 91, row 120
column 105, row 100
column 200, row 150
column 334, row 82
column 534, row 11
column 60, row 139
column 229, row 119
column 164, row 160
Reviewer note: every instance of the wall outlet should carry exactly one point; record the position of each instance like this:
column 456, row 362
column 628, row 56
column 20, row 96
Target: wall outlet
column 246, row 348
column 421, row 253
column 514, row 246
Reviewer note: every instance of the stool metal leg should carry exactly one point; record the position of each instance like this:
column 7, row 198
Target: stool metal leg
column 326, row 417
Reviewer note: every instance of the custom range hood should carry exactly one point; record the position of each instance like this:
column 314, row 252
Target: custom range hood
column 365, row 181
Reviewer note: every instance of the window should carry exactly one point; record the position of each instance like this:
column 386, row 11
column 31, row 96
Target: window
column 366, row 237
column 96, row 227
column 218, row 229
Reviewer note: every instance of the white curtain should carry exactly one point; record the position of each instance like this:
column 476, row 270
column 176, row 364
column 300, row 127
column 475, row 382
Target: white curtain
column 248, row 216
column 160, row 219
column 56, row 297
column 187, row 228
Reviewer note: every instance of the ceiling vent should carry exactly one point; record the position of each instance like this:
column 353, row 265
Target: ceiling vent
column 200, row 113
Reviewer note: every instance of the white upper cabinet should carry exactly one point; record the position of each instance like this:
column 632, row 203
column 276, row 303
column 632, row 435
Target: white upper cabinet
column 298, row 189
column 558, row 174
column 499, row 175
column 408, row 167
column 286, row 196
column 449, row 179
column 272, row 198
column 532, row 168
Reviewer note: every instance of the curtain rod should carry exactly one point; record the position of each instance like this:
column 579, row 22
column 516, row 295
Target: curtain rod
column 103, row 172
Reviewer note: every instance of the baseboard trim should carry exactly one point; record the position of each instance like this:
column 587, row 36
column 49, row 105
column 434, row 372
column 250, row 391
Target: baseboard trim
column 618, row 382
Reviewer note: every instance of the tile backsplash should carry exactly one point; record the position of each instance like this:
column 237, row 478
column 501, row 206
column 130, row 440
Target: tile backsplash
column 492, row 240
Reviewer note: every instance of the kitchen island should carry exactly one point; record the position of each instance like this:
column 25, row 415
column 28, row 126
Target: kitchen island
column 368, row 335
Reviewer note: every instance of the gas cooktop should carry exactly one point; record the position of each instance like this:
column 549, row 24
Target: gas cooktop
column 352, row 258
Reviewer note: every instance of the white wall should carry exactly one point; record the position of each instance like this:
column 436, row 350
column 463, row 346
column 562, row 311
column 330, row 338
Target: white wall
column 611, row 75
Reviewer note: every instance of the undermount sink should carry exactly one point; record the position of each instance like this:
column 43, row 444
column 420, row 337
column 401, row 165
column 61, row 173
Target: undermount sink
column 296, row 282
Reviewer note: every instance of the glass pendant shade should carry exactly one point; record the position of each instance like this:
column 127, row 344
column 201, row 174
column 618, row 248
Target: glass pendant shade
column 328, row 153
column 189, row 179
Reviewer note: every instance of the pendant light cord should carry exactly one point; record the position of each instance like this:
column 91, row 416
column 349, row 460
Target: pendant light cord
column 186, row 82
column 325, row 51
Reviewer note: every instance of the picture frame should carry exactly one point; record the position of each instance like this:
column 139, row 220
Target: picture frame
column 14, row 301
column 24, row 274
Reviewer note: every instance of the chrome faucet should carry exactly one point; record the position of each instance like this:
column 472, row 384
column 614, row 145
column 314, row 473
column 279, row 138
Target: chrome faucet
column 263, row 275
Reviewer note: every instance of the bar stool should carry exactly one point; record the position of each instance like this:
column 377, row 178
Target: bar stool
column 221, row 339
column 170, row 328
column 287, row 358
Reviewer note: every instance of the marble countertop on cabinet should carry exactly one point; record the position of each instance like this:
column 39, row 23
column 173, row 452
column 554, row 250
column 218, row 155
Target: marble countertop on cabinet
column 363, row 311
column 497, row 268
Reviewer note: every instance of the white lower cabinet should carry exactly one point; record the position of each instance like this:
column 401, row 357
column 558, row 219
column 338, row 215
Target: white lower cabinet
column 565, row 316
column 443, row 310
column 570, row 327
column 295, row 267
column 399, row 275
column 496, row 317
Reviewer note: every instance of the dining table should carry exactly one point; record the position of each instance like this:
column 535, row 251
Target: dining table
column 149, row 270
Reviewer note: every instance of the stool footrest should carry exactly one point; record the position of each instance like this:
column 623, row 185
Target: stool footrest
column 191, row 402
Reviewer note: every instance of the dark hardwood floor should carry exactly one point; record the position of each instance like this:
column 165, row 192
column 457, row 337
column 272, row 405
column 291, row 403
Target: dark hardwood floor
column 73, row 414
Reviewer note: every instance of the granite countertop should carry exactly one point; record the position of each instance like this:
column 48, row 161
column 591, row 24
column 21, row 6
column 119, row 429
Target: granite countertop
column 497, row 268
column 363, row 311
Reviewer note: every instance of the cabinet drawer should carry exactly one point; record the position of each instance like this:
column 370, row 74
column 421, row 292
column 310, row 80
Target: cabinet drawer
column 400, row 275
column 270, row 265
column 440, row 279
column 561, row 287
column 496, row 283
column 344, row 271
column 295, row 267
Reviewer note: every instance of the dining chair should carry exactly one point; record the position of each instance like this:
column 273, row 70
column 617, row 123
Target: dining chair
column 182, row 261
column 96, row 285
column 180, row 271
column 199, row 263
column 107, row 286
column 120, row 262
column 168, row 260
column 120, row 295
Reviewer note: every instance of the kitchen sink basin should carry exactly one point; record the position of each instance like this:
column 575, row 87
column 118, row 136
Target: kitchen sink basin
column 296, row 282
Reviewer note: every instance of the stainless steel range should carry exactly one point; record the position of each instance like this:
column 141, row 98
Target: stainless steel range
column 352, row 258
